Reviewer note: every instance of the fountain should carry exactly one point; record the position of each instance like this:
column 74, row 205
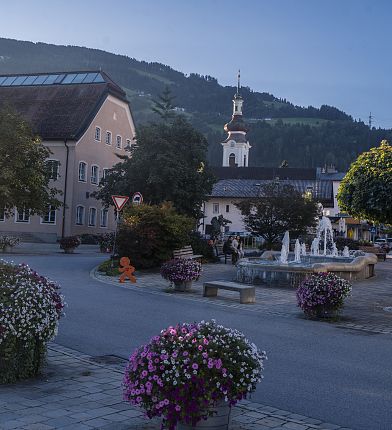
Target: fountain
column 282, row 270
column 297, row 252
column 285, row 248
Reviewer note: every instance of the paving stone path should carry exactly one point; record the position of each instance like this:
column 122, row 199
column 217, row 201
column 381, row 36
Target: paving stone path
column 364, row 310
column 79, row 392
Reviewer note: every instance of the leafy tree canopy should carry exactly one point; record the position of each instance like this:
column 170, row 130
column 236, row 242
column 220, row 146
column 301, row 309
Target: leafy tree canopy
column 366, row 190
column 24, row 178
column 168, row 164
column 278, row 208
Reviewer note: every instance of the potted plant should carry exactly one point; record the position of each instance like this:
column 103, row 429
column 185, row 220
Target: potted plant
column 69, row 243
column 30, row 308
column 181, row 272
column 322, row 294
column 8, row 242
column 192, row 372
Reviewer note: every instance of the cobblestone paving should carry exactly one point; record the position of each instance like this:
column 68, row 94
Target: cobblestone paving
column 363, row 310
column 78, row 392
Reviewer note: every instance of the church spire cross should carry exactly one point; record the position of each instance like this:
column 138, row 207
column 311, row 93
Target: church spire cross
column 238, row 82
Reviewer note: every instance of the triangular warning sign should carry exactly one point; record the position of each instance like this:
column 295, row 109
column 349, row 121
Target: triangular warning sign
column 120, row 201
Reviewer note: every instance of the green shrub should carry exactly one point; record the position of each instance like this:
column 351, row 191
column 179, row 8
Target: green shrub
column 200, row 247
column 89, row 239
column 341, row 242
column 107, row 269
column 149, row 234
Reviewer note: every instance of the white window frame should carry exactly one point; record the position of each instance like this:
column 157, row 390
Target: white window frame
column 215, row 208
column 83, row 215
column 92, row 209
column 51, row 209
column 108, row 137
column 104, row 172
column 85, row 171
column 118, row 141
column 97, row 176
column 26, row 219
column 102, row 225
column 52, row 161
column 97, row 134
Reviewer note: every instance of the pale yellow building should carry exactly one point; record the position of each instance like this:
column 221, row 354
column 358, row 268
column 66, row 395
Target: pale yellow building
column 85, row 120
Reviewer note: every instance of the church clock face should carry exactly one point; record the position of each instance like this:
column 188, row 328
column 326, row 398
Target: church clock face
column 232, row 144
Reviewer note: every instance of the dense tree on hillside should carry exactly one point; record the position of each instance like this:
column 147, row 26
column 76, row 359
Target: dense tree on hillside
column 24, row 176
column 366, row 190
column 168, row 164
column 279, row 207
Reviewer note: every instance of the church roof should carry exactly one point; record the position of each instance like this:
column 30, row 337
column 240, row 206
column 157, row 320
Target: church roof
column 247, row 188
column 267, row 173
column 58, row 105
column 238, row 137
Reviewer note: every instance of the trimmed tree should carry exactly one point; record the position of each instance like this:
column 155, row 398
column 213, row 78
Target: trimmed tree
column 24, row 179
column 278, row 208
column 168, row 164
column 366, row 190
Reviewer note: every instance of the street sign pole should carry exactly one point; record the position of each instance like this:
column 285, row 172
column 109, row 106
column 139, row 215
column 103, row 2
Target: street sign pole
column 119, row 202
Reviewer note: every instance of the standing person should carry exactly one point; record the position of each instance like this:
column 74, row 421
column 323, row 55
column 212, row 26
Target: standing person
column 240, row 247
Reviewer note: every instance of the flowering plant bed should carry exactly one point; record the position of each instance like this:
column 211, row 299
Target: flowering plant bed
column 188, row 368
column 8, row 241
column 70, row 242
column 30, row 308
column 181, row 270
column 321, row 294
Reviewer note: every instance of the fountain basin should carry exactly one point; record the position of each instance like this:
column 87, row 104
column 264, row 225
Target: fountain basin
column 268, row 270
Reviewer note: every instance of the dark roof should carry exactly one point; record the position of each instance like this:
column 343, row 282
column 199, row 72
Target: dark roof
column 58, row 111
column 247, row 188
column 236, row 124
column 336, row 176
column 260, row 173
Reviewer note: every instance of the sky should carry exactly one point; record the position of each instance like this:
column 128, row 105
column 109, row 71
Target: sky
column 311, row 52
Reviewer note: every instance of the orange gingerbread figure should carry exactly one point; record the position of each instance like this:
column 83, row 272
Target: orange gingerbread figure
column 126, row 269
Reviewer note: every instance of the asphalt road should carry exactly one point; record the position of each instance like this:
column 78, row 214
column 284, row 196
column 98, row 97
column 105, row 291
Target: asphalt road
column 313, row 369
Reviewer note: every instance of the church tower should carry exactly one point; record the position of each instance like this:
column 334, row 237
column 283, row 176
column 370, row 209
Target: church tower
column 236, row 147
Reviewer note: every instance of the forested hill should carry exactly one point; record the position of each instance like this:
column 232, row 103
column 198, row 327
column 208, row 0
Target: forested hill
column 304, row 136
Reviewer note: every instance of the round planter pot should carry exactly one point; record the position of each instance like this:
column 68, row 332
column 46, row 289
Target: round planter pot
column 182, row 286
column 7, row 249
column 325, row 312
column 219, row 421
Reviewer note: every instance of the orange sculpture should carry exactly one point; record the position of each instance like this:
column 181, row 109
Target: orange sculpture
column 126, row 270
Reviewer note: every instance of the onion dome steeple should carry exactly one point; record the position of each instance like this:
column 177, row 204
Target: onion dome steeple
column 236, row 147
column 237, row 123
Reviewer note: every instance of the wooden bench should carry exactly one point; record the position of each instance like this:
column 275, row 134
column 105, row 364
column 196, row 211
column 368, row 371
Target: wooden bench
column 381, row 254
column 186, row 253
column 247, row 292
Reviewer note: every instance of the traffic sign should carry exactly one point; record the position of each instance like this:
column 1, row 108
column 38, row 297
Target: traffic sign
column 137, row 198
column 120, row 201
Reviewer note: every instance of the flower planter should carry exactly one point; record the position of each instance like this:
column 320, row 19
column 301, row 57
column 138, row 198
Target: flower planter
column 182, row 286
column 69, row 250
column 219, row 421
column 6, row 249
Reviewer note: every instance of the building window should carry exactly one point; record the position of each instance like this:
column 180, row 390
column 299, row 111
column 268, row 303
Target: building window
column 227, row 208
column 2, row 214
column 244, row 160
column 80, row 215
column 128, row 145
column 92, row 217
column 118, row 142
column 82, row 171
column 215, row 208
column 53, row 169
column 108, row 140
column 97, row 134
column 104, row 217
column 104, row 173
column 50, row 216
column 232, row 160
column 23, row 215
column 94, row 175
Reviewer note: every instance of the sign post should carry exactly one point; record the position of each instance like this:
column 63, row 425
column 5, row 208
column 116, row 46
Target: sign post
column 119, row 202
